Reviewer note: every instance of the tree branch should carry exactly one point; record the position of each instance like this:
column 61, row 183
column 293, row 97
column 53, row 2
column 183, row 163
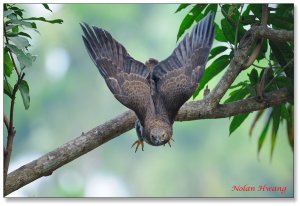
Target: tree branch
column 6, row 121
column 275, row 35
column 264, row 21
column 86, row 142
column 193, row 110
column 205, row 109
column 11, row 130
column 228, row 17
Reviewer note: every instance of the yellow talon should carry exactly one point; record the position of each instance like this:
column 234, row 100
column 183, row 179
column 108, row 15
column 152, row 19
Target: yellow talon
column 138, row 143
column 170, row 140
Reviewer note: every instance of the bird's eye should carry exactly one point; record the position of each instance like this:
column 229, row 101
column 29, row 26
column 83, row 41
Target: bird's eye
column 164, row 135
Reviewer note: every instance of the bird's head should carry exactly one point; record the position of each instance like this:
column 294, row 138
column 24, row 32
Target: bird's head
column 151, row 63
column 160, row 134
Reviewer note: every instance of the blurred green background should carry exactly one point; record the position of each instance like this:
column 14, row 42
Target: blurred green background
column 68, row 97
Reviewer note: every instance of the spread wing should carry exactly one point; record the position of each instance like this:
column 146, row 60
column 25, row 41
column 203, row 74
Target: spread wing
column 177, row 77
column 125, row 77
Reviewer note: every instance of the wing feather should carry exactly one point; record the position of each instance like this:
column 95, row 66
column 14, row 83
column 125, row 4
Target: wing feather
column 177, row 77
column 125, row 77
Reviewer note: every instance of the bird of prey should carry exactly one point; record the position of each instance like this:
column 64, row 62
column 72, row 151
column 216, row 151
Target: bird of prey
column 155, row 91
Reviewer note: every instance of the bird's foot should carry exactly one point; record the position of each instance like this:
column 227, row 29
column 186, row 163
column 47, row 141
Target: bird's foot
column 169, row 143
column 138, row 143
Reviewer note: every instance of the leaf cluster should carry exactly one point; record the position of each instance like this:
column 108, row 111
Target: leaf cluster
column 17, row 56
column 235, row 20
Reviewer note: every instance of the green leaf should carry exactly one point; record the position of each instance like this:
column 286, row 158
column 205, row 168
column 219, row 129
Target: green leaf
column 14, row 49
column 12, row 16
column 33, row 25
column 285, row 9
column 197, row 9
column 185, row 24
column 238, row 94
column 219, row 36
column 281, row 22
column 251, row 90
column 17, row 11
column 15, row 29
column 236, row 122
column 243, row 83
column 214, row 68
column 20, row 42
column 284, row 82
column 19, row 22
column 228, row 31
column 256, row 9
column 16, row 8
column 284, row 112
column 233, row 8
column 55, row 21
column 253, row 76
column 7, row 88
column 182, row 6
column 211, row 7
column 46, row 6
column 24, row 90
column 257, row 117
column 24, row 34
column 23, row 58
column 197, row 12
column 263, row 50
column 276, row 120
column 217, row 50
column 7, row 12
column 8, row 64
column 249, row 19
column 10, row 34
column 199, row 17
column 232, row 11
column 263, row 135
column 283, row 53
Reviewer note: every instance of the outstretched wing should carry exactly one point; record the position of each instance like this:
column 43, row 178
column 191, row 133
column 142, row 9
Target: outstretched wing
column 177, row 77
column 125, row 77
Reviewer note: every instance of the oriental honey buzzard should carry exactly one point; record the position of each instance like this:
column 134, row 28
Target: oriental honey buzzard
column 155, row 91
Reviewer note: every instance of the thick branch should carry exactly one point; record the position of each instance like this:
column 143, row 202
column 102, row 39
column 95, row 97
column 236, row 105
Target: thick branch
column 193, row 111
column 275, row 35
column 86, row 142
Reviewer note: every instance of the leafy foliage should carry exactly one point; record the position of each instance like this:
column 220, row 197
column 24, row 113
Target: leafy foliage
column 16, row 54
column 235, row 20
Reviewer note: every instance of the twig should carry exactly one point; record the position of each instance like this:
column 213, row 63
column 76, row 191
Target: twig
column 6, row 121
column 260, row 67
column 227, row 16
column 264, row 21
column 237, row 28
column 11, row 130
column 280, row 70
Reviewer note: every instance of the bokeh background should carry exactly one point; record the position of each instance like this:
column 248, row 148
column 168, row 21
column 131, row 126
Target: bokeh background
column 68, row 97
